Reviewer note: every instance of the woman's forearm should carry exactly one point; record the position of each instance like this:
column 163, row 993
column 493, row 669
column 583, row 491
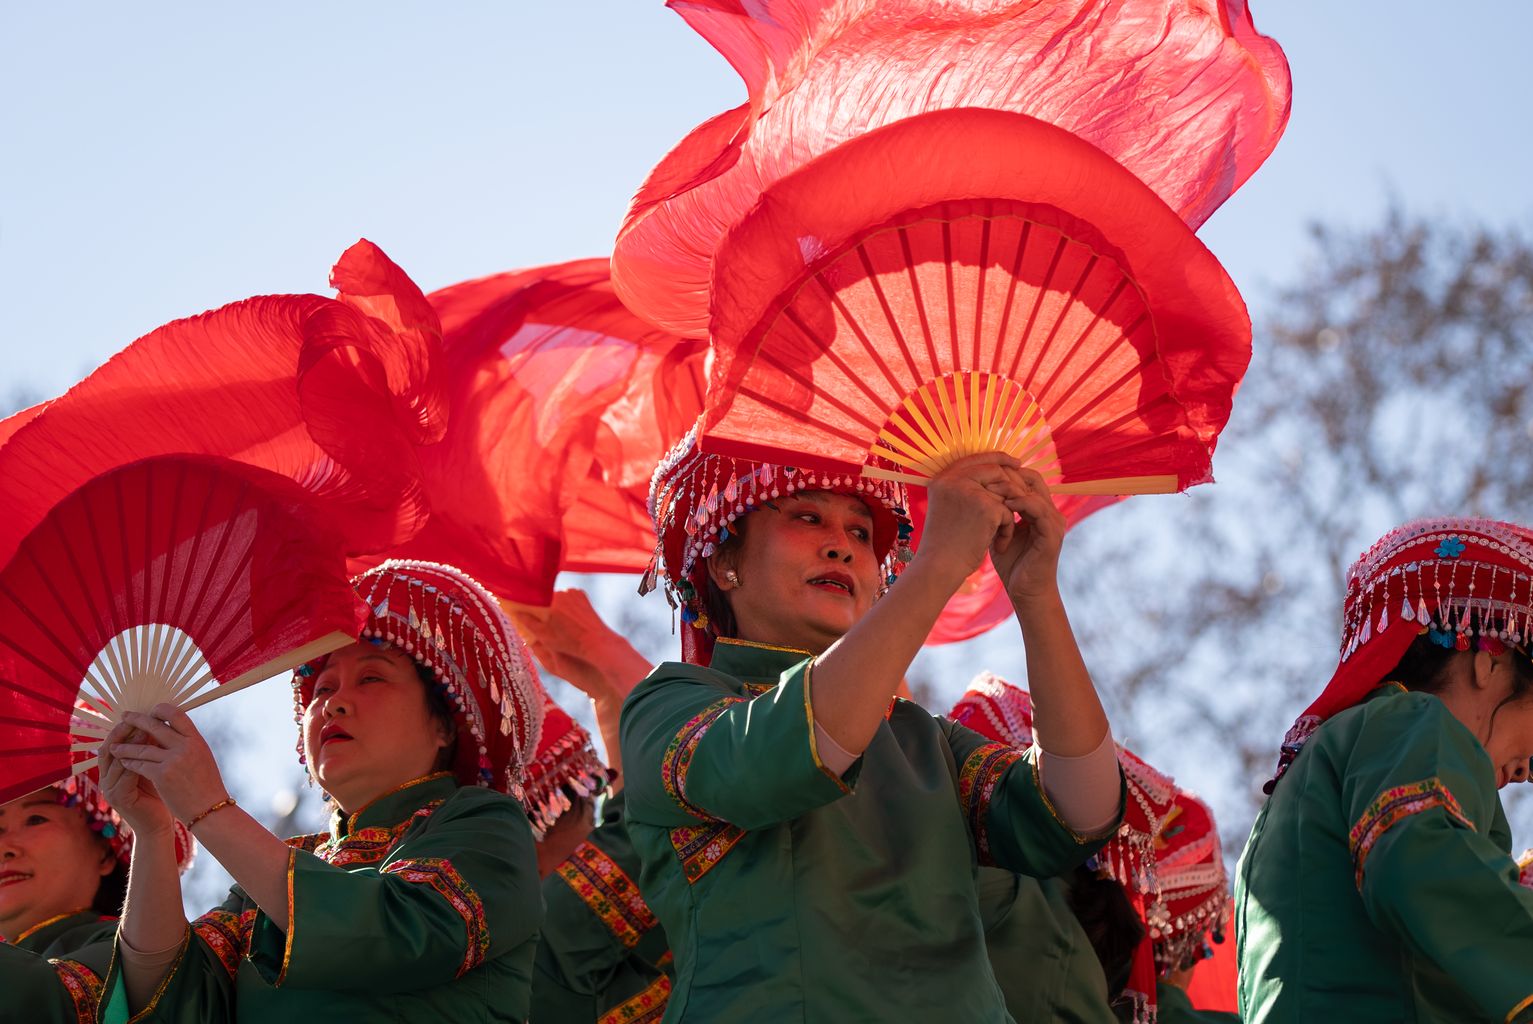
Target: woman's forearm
column 257, row 859
column 856, row 677
column 1067, row 715
column 153, row 923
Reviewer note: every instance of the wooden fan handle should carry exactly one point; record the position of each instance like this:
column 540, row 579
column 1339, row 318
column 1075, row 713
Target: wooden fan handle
column 1105, row 486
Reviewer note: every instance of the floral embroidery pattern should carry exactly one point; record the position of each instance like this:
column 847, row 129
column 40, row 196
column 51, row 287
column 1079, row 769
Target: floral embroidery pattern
column 227, row 935
column 645, row 1008
column 701, row 847
column 440, row 875
column 1394, row 805
column 609, row 892
column 1450, row 547
column 84, row 987
column 369, row 845
column 678, row 756
column 976, row 785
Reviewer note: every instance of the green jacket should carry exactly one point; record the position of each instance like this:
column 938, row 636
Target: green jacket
column 1378, row 883
column 791, row 894
column 422, row 907
column 603, row 956
column 1041, row 956
column 53, row 972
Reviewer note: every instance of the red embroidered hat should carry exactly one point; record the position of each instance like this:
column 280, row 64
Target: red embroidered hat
column 1466, row 583
column 1194, row 886
column 694, row 499
column 565, row 762
column 452, row 627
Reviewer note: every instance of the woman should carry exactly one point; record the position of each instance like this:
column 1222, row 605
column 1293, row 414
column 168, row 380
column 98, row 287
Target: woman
column 1377, row 884
column 602, row 955
column 808, row 842
column 421, row 903
column 63, row 869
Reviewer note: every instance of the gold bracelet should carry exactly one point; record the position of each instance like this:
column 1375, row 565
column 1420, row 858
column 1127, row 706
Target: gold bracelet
column 227, row 801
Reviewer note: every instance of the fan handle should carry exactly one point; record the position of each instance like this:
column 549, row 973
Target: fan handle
column 1117, row 485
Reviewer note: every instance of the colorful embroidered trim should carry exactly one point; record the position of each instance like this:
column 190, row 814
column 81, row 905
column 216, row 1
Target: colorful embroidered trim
column 369, row 845
column 701, row 847
column 83, row 985
column 1512, row 1014
column 439, row 874
column 227, row 935
column 976, row 785
column 645, row 1008
column 609, row 892
column 1394, row 805
column 678, row 756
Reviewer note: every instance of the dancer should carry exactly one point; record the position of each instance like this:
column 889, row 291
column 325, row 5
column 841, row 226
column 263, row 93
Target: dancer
column 808, row 842
column 1378, row 884
column 602, row 955
column 422, row 900
column 63, row 870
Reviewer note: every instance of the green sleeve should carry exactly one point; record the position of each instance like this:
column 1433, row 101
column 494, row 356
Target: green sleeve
column 1011, row 820
column 1419, row 796
column 200, row 985
column 62, row 986
column 693, row 751
column 1174, row 1007
column 461, row 890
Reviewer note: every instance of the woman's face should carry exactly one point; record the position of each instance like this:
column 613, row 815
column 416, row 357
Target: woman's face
column 51, row 863
column 1503, row 726
column 368, row 728
column 806, row 570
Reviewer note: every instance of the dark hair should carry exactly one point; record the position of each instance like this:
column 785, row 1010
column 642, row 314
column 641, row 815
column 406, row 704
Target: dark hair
column 442, row 713
column 721, row 617
column 1425, row 666
column 112, row 890
column 1110, row 921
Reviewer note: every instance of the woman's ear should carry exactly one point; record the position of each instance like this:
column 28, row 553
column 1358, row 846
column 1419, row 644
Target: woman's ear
column 1484, row 670
column 108, row 860
column 722, row 569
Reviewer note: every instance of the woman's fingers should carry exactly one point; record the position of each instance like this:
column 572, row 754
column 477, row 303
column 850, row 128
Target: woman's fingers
column 153, row 727
column 140, row 752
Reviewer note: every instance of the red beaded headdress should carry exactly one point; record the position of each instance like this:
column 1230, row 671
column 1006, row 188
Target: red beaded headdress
column 696, row 497
column 1466, row 583
column 452, row 627
column 566, row 762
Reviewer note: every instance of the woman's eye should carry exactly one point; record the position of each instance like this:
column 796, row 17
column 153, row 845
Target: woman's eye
column 809, row 517
column 861, row 534
column 37, row 819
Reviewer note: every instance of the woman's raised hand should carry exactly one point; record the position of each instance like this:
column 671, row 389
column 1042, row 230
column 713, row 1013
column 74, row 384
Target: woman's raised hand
column 1027, row 558
column 968, row 513
column 131, row 795
column 170, row 753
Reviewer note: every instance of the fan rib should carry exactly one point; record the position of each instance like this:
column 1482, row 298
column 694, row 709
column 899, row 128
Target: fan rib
column 773, row 402
column 291, row 660
column 26, row 609
column 1041, row 394
column 808, row 385
column 1011, row 295
column 889, row 317
column 867, row 344
column 831, row 355
column 979, row 289
column 1123, row 380
column 1024, row 343
column 952, row 296
column 195, row 602
column 1079, row 342
column 915, row 294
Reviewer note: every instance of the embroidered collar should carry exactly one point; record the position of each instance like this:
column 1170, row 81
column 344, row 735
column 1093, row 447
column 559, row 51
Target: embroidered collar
column 746, row 660
column 45, row 932
column 394, row 806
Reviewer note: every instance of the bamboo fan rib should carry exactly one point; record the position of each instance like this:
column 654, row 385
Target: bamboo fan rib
column 166, row 581
column 968, row 328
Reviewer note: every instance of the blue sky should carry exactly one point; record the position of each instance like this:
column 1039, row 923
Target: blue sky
column 158, row 160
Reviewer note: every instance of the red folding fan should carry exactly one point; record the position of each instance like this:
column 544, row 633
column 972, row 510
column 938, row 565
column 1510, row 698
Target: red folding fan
column 176, row 523
column 1011, row 288
column 562, row 402
column 172, row 580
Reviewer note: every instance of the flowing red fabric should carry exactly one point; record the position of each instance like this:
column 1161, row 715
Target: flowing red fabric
column 317, row 390
column 1215, row 985
column 1185, row 94
column 562, row 402
column 206, row 483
